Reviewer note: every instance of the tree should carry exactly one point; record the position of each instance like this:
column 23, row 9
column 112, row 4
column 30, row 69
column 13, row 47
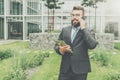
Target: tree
column 91, row 3
column 52, row 4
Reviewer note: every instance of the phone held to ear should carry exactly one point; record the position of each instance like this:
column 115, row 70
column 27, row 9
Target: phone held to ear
column 83, row 18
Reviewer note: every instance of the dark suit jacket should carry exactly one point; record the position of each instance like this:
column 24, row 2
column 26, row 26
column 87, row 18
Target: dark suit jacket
column 79, row 60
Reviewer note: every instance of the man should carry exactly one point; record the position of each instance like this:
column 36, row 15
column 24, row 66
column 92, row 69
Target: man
column 75, row 66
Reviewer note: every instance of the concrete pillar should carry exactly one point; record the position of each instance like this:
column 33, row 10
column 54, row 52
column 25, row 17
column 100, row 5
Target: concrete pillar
column 43, row 29
column 61, row 24
column 119, row 31
column 102, row 23
column 102, row 8
column 5, row 21
column 24, row 20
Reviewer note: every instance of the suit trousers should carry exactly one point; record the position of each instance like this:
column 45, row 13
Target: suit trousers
column 70, row 75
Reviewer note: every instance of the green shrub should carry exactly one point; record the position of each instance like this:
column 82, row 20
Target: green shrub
column 32, row 59
column 102, row 57
column 23, row 62
column 45, row 53
column 15, row 74
column 112, row 76
column 36, row 59
column 117, row 45
column 23, row 59
column 6, row 54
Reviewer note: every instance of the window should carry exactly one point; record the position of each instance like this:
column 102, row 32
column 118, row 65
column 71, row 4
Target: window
column 112, row 27
column 1, row 7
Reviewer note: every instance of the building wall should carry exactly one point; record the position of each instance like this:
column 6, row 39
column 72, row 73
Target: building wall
column 112, row 16
column 1, row 19
column 19, row 18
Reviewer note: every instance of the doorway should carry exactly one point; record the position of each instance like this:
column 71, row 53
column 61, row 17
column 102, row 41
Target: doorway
column 15, row 30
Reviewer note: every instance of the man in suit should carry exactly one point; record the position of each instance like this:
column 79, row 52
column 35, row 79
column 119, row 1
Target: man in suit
column 75, row 66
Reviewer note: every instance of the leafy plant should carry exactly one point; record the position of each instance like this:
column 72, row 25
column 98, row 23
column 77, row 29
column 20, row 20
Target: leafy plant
column 6, row 54
column 113, row 76
column 62, row 43
column 102, row 57
column 36, row 59
column 15, row 74
column 31, row 59
column 45, row 53
column 117, row 45
column 22, row 63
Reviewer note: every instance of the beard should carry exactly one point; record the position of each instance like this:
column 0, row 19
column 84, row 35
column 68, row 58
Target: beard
column 75, row 23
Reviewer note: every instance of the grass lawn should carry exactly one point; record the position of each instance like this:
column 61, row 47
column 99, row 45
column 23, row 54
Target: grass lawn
column 19, row 48
column 49, row 69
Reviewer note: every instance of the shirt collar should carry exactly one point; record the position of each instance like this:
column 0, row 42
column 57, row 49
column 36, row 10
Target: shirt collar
column 76, row 28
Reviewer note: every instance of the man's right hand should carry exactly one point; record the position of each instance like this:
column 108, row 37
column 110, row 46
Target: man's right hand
column 64, row 49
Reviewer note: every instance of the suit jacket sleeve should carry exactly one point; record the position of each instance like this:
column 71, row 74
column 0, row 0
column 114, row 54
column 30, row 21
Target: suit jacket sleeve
column 91, row 42
column 56, row 46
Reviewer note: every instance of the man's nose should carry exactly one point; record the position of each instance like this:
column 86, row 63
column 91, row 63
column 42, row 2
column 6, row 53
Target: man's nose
column 75, row 18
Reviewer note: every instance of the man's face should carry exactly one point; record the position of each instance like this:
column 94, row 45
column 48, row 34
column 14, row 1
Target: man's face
column 76, row 16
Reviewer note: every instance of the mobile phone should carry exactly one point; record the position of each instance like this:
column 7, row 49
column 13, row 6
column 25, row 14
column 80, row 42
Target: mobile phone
column 83, row 18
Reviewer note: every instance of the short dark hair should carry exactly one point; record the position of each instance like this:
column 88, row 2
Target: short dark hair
column 78, row 8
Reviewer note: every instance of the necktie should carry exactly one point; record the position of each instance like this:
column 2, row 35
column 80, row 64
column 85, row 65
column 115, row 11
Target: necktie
column 75, row 30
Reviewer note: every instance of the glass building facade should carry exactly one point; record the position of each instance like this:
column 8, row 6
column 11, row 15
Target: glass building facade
column 19, row 18
column 1, row 19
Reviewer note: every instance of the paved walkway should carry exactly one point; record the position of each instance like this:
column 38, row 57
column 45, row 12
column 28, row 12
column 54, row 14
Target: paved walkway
column 116, row 40
column 10, row 41
column 6, row 41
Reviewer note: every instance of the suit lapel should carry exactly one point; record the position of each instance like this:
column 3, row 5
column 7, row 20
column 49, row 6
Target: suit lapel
column 69, row 33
